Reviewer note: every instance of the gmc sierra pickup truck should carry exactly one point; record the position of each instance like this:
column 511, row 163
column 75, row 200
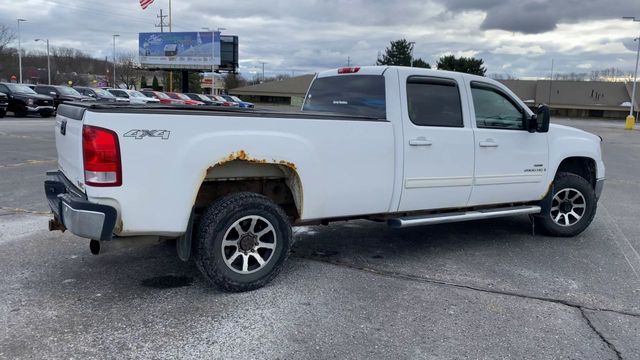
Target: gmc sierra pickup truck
column 403, row 145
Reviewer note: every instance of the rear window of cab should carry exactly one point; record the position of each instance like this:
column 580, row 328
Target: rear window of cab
column 360, row 95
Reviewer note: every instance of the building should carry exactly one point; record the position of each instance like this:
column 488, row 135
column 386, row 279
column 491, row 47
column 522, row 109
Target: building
column 577, row 98
column 289, row 91
column 565, row 98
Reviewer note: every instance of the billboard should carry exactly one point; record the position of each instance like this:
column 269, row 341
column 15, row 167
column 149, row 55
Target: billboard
column 228, row 53
column 179, row 50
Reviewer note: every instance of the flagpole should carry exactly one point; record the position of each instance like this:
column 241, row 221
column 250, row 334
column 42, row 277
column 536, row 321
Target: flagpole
column 170, row 72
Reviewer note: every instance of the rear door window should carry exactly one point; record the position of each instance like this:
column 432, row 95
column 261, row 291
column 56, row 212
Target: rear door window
column 361, row 95
column 434, row 102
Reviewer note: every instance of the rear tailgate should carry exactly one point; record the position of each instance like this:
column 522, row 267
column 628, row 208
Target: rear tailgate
column 69, row 143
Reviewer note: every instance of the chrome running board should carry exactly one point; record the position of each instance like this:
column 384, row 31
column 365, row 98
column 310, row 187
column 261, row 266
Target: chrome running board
column 462, row 216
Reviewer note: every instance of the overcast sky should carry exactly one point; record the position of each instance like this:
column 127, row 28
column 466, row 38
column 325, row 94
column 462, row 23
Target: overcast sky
column 516, row 37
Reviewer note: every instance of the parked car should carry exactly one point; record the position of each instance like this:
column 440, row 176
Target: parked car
column 402, row 145
column 204, row 99
column 61, row 93
column 98, row 94
column 162, row 97
column 134, row 96
column 23, row 100
column 242, row 104
column 187, row 100
column 4, row 103
column 224, row 101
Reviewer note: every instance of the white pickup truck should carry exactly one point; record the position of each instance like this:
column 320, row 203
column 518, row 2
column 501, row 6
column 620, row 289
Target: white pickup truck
column 403, row 145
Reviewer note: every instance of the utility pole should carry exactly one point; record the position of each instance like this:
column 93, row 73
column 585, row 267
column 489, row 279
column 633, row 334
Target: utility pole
column 550, row 82
column 262, row 70
column 348, row 61
column 162, row 24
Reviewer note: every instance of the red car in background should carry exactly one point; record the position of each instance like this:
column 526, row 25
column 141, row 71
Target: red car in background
column 164, row 98
column 223, row 101
column 187, row 100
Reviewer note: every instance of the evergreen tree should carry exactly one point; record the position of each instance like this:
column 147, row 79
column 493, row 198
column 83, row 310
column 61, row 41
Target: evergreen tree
column 462, row 64
column 143, row 82
column 400, row 53
column 154, row 84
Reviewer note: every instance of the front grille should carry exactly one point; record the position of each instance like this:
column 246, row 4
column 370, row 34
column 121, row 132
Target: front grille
column 41, row 102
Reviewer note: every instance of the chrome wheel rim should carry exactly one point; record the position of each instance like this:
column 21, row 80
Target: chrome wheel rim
column 249, row 244
column 568, row 207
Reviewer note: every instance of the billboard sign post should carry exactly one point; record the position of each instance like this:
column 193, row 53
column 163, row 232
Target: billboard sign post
column 179, row 50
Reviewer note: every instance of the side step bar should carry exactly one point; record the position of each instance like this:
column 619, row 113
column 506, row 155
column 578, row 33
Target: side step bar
column 462, row 216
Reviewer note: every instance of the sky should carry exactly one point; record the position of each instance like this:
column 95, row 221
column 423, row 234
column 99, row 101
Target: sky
column 514, row 37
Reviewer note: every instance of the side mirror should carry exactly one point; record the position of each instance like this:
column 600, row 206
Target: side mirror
column 530, row 123
column 543, row 118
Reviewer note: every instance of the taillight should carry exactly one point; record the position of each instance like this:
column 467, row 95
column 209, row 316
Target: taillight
column 101, row 153
column 348, row 70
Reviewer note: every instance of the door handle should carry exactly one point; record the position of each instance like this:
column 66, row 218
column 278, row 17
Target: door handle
column 488, row 143
column 420, row 142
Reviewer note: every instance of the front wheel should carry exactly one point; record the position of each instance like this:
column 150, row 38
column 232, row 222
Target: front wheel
column 243, row 241
column 3, row 113
column 569, row 207
column 46, row 114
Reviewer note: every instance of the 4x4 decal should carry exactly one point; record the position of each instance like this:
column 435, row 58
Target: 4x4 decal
column 139, row 134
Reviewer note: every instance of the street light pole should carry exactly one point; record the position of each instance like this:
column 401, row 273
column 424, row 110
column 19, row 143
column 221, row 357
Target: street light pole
column 48, row 61
column 20, row 50
column 411, row 43
column 114, row 59
column 631, row 119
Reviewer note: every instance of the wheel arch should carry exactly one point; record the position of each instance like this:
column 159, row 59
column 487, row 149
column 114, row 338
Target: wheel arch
column 583, row 166
column 277, row 180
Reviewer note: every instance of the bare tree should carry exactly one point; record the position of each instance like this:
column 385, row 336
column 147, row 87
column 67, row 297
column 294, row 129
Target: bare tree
column 6, row 36
column 127, row 68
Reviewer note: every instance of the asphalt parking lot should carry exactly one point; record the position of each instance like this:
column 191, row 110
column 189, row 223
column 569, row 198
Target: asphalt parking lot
column 483, row 289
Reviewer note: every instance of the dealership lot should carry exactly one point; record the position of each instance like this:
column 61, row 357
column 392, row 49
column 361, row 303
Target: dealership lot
column 484, row 289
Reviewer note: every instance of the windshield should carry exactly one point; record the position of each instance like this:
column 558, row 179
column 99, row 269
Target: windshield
column 137, row 94
column 68, row 91
column 103, row 93
column 161, row 95
column 203, row 98
column 183, row 97
column 236, row 99
column 20, row 88
column 362, row 95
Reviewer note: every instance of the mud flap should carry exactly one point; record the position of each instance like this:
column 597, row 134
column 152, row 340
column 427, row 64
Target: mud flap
column 183, row 244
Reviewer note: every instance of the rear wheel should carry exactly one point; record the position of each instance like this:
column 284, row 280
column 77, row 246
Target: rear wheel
column 243, row 241
column 2, row 113
column 569, row 207
column 45, row 114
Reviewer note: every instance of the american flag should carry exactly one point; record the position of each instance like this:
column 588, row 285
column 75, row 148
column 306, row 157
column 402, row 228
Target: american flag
column 145, row 3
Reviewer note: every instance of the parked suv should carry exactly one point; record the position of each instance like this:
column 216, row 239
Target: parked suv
column 23, row 100
column 61, row 94
column 4, row 102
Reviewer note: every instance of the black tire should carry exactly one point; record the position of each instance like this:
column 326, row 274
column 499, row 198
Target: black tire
column 46, row 114
column 218, row 221
column 568, row 185
column 2, row 113
column 20, row 111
